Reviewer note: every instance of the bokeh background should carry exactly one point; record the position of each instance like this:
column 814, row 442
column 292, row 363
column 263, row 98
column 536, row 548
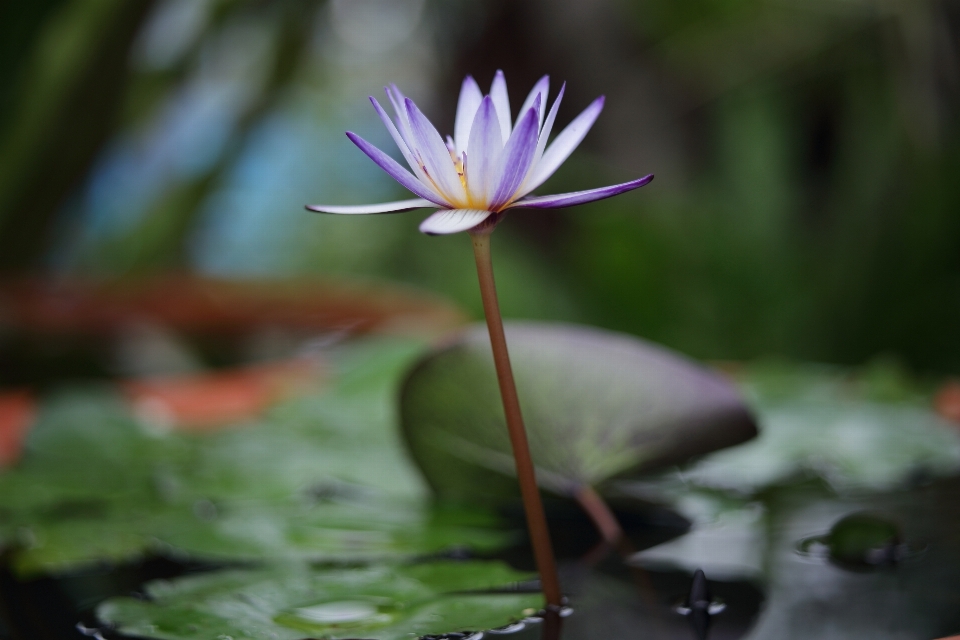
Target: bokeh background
column 806, row 204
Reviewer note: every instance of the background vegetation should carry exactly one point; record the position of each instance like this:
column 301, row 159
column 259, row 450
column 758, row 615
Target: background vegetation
column 806, row 201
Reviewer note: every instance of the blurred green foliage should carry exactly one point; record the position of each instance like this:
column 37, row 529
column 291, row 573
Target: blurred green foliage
column 318, row 478
column 806, row 201
column 822, row 222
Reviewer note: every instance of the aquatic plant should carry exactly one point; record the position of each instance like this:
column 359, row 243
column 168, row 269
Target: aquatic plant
column 486, row 168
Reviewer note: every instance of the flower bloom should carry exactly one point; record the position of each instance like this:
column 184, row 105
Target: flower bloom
column 488, row 166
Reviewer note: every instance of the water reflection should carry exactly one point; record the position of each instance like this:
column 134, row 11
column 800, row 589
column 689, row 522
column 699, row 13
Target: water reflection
column 884, row 566
column 828, row 600
column 608, row 604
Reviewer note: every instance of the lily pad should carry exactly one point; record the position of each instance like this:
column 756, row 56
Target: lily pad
column 293, row 601
column 318, row 477
column 365, row 530
column 597, row 405
column 839, row 425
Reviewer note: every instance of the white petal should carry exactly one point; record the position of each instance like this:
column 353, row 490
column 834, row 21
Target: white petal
column 383, row 207
column 545, row 130
column 542, row 88
column 452, row 221
column 397, row 99
column 434, row 155
column 485, row 147
column 517, row 157
column 548, row 125
column 402, row 145
column 470, row 97
column 557, row 200
column 403, row 122
column 498, row 92
column 564, row 145
column 397, row 172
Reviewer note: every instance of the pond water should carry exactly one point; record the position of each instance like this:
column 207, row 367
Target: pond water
column 842, row 520
column 842, row 590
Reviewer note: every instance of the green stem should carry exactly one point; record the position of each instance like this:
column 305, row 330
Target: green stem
column 536, row 520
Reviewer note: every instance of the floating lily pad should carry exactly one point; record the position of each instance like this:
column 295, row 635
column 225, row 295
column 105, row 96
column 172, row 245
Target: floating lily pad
column 596, row 404
column 855, row 429
column 864, row 538
column 862, row 542
column 291, row 602
column 318, row 477
column 352, row 529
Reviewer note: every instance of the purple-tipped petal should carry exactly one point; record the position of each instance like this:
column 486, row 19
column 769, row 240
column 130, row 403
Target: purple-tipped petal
column 452, row 221
column 542, row 88
column 402, row 145
column 403, row 123
column 485, row 147
column 398, row 173
column 548, row 125
column 517, row 157
column 580, row 197
column 470, row 98
column 392, row 128
column 545, row 130
column 433, row 155
column 565, row 143
column 383, row 207
column 498, row 91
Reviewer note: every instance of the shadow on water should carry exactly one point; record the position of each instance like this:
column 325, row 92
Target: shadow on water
column 62, row 607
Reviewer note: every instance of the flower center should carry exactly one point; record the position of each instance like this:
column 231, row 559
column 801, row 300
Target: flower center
column 458, row 165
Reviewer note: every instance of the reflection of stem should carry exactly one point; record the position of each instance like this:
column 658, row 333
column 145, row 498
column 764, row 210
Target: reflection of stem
column 613, row 538
column 552, row 624
column 536, row 520
column 603, row 519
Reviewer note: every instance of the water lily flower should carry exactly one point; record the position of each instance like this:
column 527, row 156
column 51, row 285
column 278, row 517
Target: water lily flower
column 489, row 165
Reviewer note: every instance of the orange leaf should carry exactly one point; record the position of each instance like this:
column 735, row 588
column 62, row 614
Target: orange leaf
column 209, row 401
column 17, row 412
